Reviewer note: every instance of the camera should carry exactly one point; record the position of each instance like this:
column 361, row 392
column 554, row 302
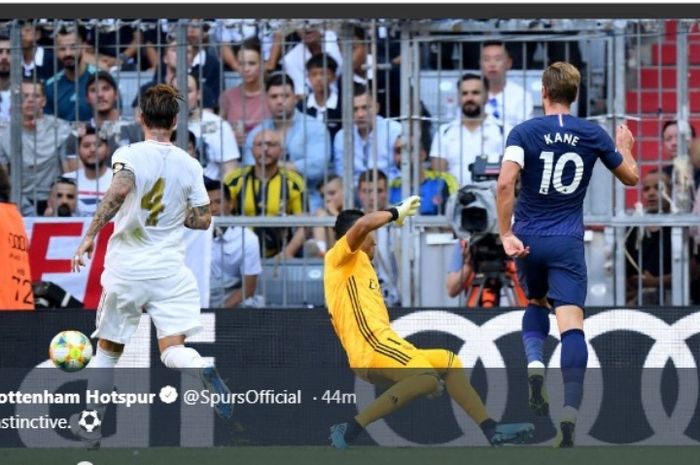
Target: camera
column 472, row 209
column 473, row 217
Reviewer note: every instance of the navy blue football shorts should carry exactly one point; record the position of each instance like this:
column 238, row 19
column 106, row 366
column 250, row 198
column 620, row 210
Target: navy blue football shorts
column 555, row 268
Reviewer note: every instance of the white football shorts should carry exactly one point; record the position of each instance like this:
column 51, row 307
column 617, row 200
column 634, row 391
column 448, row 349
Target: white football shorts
column 172, row 303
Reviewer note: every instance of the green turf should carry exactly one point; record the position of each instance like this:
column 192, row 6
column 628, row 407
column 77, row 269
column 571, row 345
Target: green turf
column 619, row 455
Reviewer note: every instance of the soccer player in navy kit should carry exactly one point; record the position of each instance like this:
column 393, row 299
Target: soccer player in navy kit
column 554, row 156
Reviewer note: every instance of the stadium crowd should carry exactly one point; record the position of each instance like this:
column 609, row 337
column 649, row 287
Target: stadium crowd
column 273, row 144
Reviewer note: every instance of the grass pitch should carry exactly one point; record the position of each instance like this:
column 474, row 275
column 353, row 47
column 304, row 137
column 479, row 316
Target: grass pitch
column 508, row 455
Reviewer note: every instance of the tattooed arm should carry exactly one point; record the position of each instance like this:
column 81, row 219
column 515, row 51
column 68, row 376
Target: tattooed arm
column 198, row 217
column 123, row 182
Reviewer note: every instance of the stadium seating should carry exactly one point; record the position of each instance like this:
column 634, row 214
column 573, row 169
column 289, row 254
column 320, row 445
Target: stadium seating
column 295, row 282
column 655, row 98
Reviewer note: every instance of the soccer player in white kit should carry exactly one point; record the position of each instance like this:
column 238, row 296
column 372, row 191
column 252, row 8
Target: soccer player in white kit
column 156, row 189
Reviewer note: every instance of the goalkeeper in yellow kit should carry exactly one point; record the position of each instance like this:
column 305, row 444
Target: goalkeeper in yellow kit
column 375, row 352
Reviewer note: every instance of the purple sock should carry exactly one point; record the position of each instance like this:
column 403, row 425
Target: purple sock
column 574, row 358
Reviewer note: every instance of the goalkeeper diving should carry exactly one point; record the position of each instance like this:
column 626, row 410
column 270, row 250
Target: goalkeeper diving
column 375, row 352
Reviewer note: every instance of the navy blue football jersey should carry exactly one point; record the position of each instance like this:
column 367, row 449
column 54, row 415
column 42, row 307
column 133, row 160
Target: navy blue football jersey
column 557, row 154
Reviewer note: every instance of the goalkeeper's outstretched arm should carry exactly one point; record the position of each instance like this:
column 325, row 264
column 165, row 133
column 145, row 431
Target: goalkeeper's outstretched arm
column 363, row 226
column 357, row 234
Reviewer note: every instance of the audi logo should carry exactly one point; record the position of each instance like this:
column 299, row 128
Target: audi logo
column 479, row 343
column 17, row 242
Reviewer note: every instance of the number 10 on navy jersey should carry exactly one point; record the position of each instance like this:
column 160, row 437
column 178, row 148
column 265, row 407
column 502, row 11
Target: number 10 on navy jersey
column 556, row 154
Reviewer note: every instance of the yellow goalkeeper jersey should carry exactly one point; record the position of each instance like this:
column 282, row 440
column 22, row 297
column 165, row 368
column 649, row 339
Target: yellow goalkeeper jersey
column 356, row 306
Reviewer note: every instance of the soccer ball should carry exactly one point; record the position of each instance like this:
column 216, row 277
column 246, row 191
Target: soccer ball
column 89, row 420
column 70, row 350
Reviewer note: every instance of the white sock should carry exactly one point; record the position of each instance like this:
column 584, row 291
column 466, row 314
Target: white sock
column 183, row 358
column 104, row 358
column 535, row 368
column 102, row 379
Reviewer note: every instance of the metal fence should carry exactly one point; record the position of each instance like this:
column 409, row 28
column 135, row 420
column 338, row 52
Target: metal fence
column 631, row 70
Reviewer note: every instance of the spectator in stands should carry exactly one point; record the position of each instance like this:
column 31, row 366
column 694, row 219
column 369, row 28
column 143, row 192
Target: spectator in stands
column 245, row 106
column 323, row 102
column 460, row 269
column 446, row 54
column 695, row 236
column 170, row 60
column 205, row 64
column 669, row 139
column 360, row 53
column 372, row 191
column 113, row 45
column 362, row 69
column 532, row 55
column 314, row 39
column 95, row 175
column 268, row 188
column 62, row 86
column 103, row 96
column 63, row 198
column 231, row 32
column 649, row 248
column 43, row 148
column 192, row 148
column 5, row 95
column 37, row 61
column 166, row 74
column 306, row 140
column 388, row 78
column 318, row 240
column 332, row 194
column 217, row 145
column 435, row 186
column 507, row 102
column 456, row 145
column 155, row 34
column 365, row 121
column 482, row 288
column 695, row 230
column 235, row 254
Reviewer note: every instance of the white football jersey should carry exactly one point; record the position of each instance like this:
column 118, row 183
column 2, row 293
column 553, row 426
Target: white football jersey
column 147, row 242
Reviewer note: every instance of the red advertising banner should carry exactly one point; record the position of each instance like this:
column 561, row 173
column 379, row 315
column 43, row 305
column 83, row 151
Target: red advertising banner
column 52, row 242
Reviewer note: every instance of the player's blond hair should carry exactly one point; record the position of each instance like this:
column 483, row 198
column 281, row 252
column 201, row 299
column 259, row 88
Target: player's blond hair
column 561, row 81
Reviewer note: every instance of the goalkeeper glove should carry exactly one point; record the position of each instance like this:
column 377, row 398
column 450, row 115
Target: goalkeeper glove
column 407, row 207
